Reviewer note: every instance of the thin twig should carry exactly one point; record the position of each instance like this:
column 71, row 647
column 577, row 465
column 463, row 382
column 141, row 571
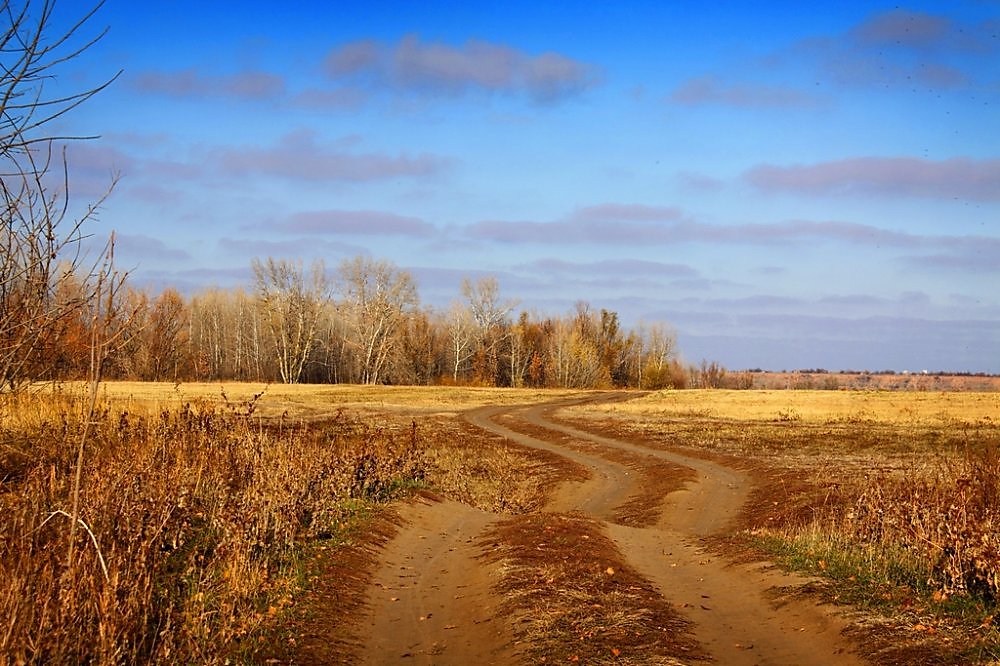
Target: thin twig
column 93, row 539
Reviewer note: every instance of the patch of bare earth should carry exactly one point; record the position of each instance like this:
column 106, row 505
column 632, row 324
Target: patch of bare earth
column 431, row 600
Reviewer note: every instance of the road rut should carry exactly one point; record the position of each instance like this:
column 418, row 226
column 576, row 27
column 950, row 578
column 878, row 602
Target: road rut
column 733, row 617
column 434, row 603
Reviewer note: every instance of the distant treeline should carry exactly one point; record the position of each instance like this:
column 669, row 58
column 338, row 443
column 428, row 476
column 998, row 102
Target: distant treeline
column 880, row 381
column 823, row 371
column 362, row 324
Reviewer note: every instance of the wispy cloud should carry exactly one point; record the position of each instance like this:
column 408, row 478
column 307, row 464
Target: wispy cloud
column 197, row 280
column 982, row 259
column 612, row 212
column 300, row 156
column 93, row 168
column 287, row 247
column 139, row 247
column 926, row 32
column 958, row 177
column 413, row 65
column 902, row 48
column 251, row 84
column 650, row 225
column 610, row 267
column 616, row 224
column 336, row 99
column 710, row 90
column 356, row 222
column 700, row 181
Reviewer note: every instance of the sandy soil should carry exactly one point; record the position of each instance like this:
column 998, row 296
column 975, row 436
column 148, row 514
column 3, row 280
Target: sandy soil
column 433, row 600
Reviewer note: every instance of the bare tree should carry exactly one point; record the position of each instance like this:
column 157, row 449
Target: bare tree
column 40, row 246
column 292, row 303
column 659, row 355
column 462, row 335
column 485, row 303
column 377, row 298
column 491, row 315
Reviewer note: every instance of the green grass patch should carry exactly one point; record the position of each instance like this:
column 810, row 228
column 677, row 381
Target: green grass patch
column 889, row 583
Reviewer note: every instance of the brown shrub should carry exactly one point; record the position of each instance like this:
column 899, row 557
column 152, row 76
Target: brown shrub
column 949, row 517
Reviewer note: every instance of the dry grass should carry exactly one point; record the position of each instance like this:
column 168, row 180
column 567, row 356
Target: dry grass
column 577, row 599
column 192, row 522
column 310, row 401
column 817, row 407
column 492, row 475
column 206, row 506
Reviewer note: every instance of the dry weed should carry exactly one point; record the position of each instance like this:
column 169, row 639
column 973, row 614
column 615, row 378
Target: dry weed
column 947, row 517
column 192, row 518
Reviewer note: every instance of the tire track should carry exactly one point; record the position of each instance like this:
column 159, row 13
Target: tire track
column 432, row 601
column 734, row 620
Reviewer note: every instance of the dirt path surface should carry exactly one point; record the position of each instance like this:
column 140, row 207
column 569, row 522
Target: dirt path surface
column 433, row 601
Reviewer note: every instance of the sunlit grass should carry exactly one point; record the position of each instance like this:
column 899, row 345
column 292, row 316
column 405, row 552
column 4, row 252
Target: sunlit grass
column 198, row 512
column 304, row 401
column 821, row 407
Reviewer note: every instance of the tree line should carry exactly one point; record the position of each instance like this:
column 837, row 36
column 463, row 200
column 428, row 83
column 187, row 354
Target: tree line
column 362, row 323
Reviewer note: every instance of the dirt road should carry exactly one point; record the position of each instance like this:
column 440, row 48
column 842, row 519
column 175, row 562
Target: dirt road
column 434, row 600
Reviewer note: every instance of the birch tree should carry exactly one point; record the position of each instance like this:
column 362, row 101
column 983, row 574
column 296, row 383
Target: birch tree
column 377, row 299
column 491, row 315
column 462, row 336
column 291, row 302
column 657, row 363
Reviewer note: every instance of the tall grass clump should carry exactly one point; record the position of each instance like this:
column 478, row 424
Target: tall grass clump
column 930, row 525
column 947, row 517
column 189, row 522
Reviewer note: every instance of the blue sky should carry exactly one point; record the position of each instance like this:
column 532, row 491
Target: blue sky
column 787, row 189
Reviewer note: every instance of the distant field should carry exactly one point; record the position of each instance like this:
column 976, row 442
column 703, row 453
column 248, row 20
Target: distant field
column 317, row 400
column 891, row 407
column 902, row 381
column 931, row 408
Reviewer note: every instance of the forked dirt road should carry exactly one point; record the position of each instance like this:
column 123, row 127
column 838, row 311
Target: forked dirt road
column 433, row 601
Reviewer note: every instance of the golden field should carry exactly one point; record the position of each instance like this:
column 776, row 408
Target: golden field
column 198, row 502
column 823, row 407
column 309, row 401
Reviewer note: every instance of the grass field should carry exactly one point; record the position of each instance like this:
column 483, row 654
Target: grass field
column 821, row 407
column 310, row 401
column 198, row 500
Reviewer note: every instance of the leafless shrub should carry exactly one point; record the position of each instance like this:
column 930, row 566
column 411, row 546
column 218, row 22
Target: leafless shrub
column 45, row 278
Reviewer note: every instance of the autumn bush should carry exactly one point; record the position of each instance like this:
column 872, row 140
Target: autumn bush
column 190, row 521
column 946, row 518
